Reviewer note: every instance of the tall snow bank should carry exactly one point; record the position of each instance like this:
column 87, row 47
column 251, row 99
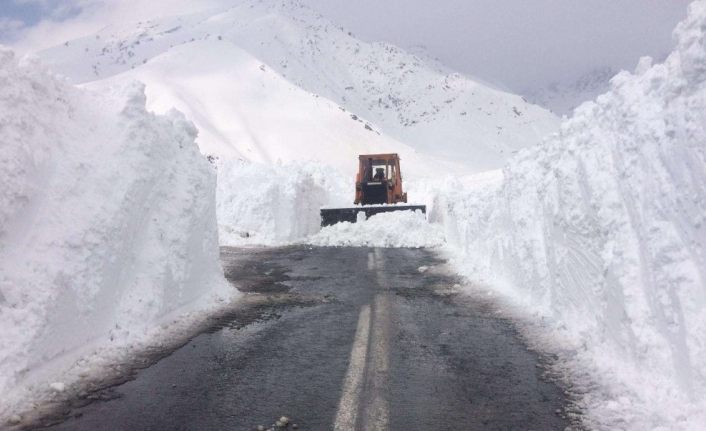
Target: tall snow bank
column 602, row 231
column 274, row 204
column 107, row 222
column 392, row 229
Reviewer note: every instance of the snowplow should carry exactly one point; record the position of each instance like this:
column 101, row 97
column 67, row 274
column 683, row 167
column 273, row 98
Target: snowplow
column 378, row 189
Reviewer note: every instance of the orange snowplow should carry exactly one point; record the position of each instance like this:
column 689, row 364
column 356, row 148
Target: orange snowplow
column 378, row 189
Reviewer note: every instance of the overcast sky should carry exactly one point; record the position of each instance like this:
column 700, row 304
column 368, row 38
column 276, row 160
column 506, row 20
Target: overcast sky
column 518, row 44
column 521, row 43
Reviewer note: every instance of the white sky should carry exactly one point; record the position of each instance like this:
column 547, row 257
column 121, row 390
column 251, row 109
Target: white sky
column 518, row 44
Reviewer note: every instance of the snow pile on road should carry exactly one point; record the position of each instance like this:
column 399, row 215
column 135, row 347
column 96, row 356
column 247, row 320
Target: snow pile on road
column 391, row 229
column 107, row 224
column 602, row 232
column 274, row 204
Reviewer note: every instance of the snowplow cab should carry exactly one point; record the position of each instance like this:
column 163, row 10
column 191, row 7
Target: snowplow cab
column 378, row 189
column 379, row 180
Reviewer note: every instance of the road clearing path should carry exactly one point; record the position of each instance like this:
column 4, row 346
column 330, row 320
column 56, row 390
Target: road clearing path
column 345, row 339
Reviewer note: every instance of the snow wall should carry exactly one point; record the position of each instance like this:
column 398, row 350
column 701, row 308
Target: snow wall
column 275, row 204
column 602, row 232
column 107, row 223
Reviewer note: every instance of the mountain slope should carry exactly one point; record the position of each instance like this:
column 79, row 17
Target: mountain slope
column 245, row 110
column 564, row 97
column 431, row 109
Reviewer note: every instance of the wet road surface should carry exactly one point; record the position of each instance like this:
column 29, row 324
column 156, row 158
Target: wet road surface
column 346, row 339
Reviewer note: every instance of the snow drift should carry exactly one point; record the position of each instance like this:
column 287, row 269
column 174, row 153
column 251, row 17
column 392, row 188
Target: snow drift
column 602, row 231
column 107, row 223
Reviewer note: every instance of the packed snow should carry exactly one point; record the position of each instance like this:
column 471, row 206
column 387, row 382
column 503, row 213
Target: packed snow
column 107, row 226
column 274, row 205
column 390, row 229
column 601, row 232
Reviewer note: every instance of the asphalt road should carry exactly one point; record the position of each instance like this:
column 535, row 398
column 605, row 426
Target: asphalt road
column 344, row 339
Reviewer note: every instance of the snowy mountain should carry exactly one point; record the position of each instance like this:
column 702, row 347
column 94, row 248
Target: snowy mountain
column 268, row 80
column 564, row 97
column 245, row 110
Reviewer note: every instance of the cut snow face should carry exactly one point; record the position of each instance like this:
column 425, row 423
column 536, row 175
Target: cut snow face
column 269, row 80
column 274, row 205
column 391, row 229
column 107, row 224
column 601, row 231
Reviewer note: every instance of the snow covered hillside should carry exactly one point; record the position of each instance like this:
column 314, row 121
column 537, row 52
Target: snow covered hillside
column 107, row 224
column 380, row 87
column 602, row 232
column 564, row 97
column 244, row 110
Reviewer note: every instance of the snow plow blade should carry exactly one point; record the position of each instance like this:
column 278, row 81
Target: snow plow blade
column 336, row 215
